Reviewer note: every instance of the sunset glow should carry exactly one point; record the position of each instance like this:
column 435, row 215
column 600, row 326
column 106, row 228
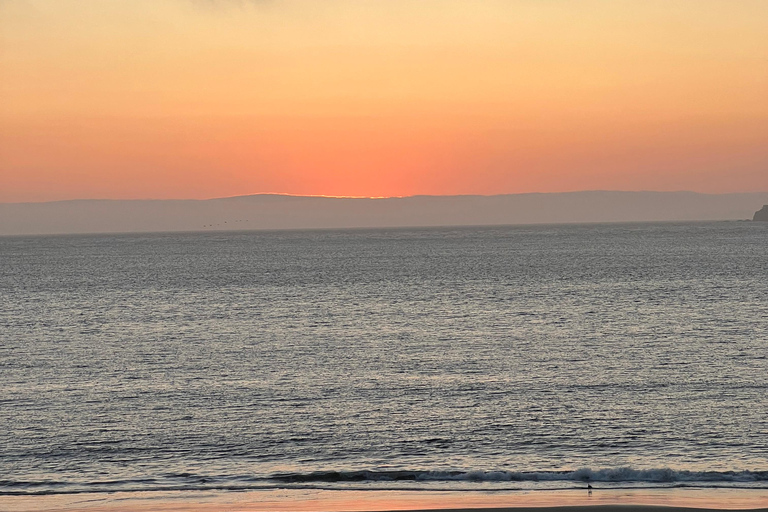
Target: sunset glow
column 207, row 98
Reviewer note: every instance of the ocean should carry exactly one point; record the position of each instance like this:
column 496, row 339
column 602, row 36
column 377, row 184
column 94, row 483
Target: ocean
column 486, row 358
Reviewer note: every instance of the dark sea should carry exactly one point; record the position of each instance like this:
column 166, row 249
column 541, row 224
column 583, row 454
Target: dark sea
column 533, row 357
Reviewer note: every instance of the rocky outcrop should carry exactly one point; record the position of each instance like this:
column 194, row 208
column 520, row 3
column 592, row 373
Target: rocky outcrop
column 762, row 214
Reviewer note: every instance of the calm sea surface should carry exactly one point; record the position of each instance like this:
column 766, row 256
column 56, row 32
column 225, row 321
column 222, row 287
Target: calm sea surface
column 472, row 358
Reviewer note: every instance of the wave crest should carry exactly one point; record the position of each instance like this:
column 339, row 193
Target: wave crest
column 421, row 480
column 612, row 475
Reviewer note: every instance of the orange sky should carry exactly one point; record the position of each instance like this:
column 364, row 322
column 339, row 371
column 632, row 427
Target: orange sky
column 207, row 98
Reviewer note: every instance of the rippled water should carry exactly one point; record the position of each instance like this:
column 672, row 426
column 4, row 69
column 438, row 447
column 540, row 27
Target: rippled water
column 530, row 357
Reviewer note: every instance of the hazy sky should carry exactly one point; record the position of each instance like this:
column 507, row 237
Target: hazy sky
column 206, row 98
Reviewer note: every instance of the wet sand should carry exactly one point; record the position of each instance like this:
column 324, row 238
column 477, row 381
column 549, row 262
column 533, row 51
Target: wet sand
column 313, row 500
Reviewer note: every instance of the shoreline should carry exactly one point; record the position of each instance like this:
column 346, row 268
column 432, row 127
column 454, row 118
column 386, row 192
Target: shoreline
column 313, row 500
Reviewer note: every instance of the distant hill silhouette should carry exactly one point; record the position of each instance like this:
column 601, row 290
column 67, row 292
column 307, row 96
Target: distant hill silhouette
column 762, row 214
column 271, row 211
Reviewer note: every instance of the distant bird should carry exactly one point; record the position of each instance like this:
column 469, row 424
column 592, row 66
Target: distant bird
column 589, row 488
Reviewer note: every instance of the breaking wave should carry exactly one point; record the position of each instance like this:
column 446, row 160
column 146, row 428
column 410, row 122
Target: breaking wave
column 610, row 475
column 403, row 480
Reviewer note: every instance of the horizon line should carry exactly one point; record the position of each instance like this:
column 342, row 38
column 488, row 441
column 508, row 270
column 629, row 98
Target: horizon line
column 326, row 196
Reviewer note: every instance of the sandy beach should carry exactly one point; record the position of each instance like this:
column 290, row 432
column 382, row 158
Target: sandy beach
column 313, row 500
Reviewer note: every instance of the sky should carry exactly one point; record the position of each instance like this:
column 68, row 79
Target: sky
column 165, row 99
